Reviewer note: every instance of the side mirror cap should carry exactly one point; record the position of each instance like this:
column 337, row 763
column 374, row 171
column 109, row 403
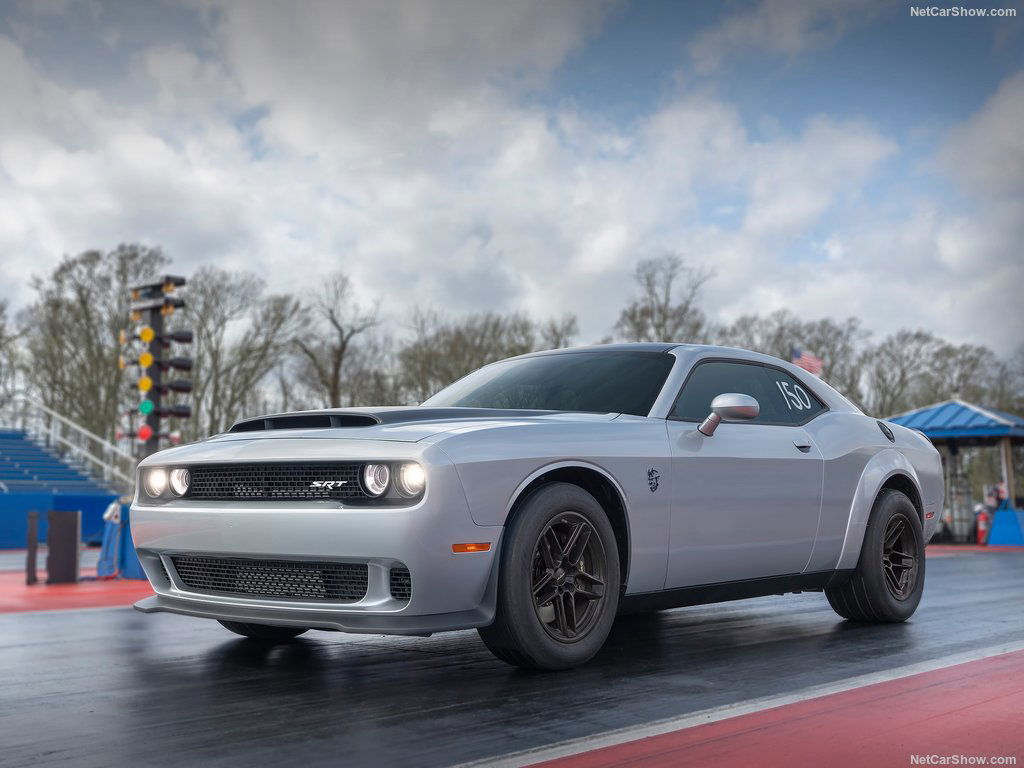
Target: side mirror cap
column 731, row 406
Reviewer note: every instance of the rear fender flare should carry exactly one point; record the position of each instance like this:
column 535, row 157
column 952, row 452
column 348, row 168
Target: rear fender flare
column 882, row 466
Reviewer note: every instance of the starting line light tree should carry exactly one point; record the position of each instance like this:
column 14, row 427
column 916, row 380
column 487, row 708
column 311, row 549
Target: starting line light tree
column 152, row 304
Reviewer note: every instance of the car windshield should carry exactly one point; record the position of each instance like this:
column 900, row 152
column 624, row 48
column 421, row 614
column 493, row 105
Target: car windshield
column 602, row 382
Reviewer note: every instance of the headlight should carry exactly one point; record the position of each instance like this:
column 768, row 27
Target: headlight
column 375, row 478
column 411, row 479
column 179, row 481
column 156, row 482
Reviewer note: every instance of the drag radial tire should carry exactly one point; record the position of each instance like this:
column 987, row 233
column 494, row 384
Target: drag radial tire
column 558, row 583
column 265, row 632
column 887, row 585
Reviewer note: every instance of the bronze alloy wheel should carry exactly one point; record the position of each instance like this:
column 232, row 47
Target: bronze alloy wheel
column 899, row 557
column 568, row 577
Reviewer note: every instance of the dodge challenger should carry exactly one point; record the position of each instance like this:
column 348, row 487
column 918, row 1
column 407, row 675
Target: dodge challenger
column 539, row 497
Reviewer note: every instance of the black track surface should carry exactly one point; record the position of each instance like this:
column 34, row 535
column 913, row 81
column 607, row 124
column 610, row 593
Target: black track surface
column 116, row 687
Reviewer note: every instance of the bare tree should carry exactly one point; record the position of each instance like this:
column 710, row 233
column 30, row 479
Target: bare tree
column 9, row 355
column 373, row 376
column 241, row 336
column 335, row 321
column 443, row 350
column 1011, row 395
column 71, row 333
column 774, row 334
column 966, row 371
column 559, row 332
column 839, row 344
column 893, row 371
column 667, row 308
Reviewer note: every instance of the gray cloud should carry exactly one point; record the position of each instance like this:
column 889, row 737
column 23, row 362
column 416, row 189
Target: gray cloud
column 401, row 143
column 784, row 27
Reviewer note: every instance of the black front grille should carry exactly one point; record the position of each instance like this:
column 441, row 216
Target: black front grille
column 277, row 482
column 401, row 583
column 337, row 582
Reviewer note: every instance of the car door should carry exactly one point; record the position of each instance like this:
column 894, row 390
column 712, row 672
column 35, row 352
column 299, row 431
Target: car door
column 746, row 500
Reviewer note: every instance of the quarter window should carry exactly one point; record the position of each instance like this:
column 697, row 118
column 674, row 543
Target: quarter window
column 796, row 404
column 781, row 398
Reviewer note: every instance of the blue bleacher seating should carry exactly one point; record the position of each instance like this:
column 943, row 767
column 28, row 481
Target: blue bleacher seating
column 33, row 477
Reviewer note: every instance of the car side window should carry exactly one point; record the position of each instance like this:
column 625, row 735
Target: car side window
column 713, row 378
column 794, row 403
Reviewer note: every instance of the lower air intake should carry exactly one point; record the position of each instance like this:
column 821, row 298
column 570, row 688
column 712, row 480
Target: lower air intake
column 297, row 580
column 163, row 570
column 401, row 583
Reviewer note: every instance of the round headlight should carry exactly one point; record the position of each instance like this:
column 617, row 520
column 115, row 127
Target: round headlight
column 375, row 478
column 156, row 482
column 179, row 481
column 411, row 479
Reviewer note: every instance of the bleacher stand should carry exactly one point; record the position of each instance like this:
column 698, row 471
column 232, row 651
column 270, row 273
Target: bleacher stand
column 33, row 477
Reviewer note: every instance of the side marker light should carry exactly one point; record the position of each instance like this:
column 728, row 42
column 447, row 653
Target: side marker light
column 482, row 546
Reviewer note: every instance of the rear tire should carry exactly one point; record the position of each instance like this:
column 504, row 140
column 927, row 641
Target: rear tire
column 889, row 580
column 264, row 632
column 558, row 585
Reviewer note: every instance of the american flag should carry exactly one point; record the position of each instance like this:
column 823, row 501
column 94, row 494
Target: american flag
column 807, row 361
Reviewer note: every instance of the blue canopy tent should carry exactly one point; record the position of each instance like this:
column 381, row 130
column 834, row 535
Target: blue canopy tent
column 954, row 424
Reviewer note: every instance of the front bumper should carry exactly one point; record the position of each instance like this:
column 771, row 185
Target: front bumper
column 449, row 591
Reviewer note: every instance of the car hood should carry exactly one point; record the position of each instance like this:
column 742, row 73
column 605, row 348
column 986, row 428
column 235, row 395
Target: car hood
column 403, row 424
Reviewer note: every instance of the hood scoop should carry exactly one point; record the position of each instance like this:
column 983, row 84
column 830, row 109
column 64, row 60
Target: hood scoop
column 377, row 416
column 306, row 421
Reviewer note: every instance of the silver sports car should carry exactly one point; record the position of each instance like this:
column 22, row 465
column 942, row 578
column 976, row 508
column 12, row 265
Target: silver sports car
column 538, row 497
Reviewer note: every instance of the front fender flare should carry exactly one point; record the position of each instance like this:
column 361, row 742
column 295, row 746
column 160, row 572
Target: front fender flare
column 586, row 465
column 570, row 464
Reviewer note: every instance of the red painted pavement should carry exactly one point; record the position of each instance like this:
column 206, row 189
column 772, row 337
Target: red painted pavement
column 16, row 596
column 974, row 709
column 943, row 550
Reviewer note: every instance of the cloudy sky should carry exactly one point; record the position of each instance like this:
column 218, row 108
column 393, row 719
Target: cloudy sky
column 840, row 158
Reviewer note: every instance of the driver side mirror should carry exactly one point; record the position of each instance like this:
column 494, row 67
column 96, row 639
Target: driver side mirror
column 731, row 406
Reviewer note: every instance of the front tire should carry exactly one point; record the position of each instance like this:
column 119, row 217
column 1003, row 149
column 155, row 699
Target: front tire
column 889, row 580
column 263, row 632
column 558, row 585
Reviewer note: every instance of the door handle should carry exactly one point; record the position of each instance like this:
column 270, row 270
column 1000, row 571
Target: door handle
column 803, row 444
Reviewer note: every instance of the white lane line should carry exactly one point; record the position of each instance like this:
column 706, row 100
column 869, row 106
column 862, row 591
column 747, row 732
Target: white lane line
column 658, row 727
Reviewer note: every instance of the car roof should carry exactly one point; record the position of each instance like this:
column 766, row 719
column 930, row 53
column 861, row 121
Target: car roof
column 642, row 346
column 638, row 346
column 693, row 352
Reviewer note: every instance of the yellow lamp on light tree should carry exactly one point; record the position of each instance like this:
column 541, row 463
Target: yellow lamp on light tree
column 145, row 360
column 145, row 384
column 147, row 334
